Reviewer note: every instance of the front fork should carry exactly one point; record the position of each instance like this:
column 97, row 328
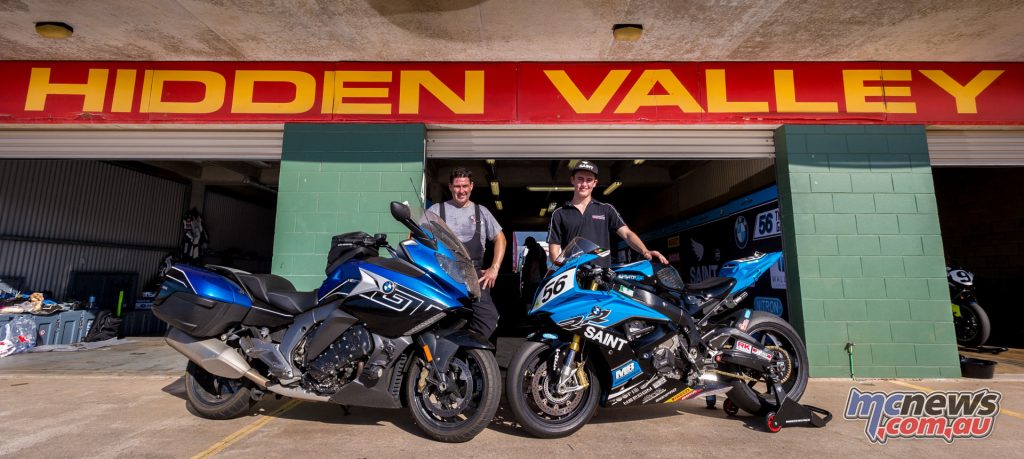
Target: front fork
column 570, row 367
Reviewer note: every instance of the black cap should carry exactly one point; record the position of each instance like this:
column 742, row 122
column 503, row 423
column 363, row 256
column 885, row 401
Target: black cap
column 585, row 166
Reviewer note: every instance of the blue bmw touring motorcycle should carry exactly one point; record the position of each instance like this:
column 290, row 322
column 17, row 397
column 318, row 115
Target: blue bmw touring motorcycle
column 638, row 336
column 380, row 332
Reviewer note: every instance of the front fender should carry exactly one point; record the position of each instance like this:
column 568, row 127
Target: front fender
column 443, row 344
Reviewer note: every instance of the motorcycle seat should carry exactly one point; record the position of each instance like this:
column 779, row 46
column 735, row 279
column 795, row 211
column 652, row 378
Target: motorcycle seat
column 278, row 292
column 715, row 287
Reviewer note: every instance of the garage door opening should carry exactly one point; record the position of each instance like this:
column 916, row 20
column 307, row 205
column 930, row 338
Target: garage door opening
column 686, row 208
column 982, row 224
column 98, row 232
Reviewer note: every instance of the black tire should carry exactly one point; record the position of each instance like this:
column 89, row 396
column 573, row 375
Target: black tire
column 771, row 330
column 973, row 326
column 530, row 357
column 214, row 397
column 484, row 388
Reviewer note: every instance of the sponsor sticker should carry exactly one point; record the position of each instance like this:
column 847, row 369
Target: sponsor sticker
column 778, row 274
column 768, row 224
column 768, row 304
column 684, row 394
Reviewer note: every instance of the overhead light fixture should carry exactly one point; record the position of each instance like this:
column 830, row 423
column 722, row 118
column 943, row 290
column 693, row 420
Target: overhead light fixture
column 57, row 30
column 498, row 205
column 489, row 161
column 614, row 186
column 549, row 188
column 551, row 207
column 627, row 32
column 494, row 188
column 543, row 210
column 637, row 162
column 573, row 163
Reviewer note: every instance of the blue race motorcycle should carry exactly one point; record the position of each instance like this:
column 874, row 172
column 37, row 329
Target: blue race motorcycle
column 380, row 332
column 638, row 336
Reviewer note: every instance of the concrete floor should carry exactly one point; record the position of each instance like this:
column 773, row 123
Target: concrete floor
column 128, row 400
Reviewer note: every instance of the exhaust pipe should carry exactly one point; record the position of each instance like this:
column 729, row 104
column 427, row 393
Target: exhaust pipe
column 215, row 357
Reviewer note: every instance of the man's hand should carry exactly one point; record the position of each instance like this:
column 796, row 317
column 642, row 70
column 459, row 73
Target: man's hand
column 487, row 277
column 655, row 254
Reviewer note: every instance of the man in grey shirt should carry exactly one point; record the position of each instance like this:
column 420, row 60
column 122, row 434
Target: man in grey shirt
column 474, row 225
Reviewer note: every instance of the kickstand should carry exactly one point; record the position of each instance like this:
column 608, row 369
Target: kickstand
column 788, row 412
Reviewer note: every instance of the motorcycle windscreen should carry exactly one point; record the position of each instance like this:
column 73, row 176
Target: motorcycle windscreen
column 579, row 246
column 460, row 267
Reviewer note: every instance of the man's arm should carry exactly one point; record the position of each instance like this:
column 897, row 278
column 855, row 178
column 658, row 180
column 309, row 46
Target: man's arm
column 634, row 241
column 491, row 274
column 553, row 251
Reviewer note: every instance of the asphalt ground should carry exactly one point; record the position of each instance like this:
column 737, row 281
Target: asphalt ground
column 128, row 401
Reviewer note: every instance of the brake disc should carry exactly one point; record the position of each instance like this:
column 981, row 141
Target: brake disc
column 549, row 401
column 455, row 398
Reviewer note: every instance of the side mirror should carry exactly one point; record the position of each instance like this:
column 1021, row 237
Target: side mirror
column 400, row 211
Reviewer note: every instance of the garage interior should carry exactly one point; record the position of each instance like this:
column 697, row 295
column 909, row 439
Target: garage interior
column 101, row 229
column 665, row 174
column 978, row 175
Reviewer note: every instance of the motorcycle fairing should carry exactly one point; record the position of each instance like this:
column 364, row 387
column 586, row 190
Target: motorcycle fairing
column 208, row 284
column 748, row 270
column 572, row 301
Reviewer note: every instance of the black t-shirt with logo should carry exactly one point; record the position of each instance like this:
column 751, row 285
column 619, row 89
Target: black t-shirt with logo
column 596, row 224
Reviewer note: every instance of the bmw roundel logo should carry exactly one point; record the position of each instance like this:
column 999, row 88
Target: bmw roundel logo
column 741, row 232
column 388, row 287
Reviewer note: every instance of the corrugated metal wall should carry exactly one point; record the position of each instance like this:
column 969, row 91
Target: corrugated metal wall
column 241, row 229
column 62, row 216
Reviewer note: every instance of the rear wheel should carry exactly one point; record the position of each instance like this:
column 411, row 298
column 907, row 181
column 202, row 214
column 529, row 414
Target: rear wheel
column 779, row 337
column 534, row 398
column 215, row 397
column 465, row 405
column 972, row 327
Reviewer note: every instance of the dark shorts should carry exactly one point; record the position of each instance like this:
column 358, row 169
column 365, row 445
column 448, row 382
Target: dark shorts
column 485, row 315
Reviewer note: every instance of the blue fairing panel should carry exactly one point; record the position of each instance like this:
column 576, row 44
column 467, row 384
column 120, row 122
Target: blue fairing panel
column 636, row 271
column 209, row 284
column 746, row 271
column 581, row 302
column 350, row 273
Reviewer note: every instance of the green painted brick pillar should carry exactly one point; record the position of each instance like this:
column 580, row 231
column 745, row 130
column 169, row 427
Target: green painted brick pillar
column 864, row 251
column 337, row 178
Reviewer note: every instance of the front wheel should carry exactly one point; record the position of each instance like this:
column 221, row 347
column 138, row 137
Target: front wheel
column 972, row 324
column 465, row 405
column 536, row 402
column 778, row 336
column 215, row 397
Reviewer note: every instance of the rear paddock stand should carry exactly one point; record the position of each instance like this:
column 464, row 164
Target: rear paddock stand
column 785, row 412
column 788, row 412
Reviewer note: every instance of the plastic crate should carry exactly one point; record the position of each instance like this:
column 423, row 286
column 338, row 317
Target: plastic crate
column 47, row 329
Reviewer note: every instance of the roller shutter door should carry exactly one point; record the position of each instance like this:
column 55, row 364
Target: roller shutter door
column 598, row 143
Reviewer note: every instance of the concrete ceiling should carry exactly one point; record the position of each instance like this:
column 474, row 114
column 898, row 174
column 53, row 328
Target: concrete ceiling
column 516, row 30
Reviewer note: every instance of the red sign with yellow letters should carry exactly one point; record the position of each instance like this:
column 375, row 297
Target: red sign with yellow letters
column 512, row 93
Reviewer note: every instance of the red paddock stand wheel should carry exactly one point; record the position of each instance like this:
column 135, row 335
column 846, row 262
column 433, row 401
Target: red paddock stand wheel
column 730, row 408
column 773, row 426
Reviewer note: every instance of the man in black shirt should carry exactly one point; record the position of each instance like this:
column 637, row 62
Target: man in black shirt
column 590, row 219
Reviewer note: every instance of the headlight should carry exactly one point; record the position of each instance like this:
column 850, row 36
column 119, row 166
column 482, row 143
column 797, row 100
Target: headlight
column 451, row 268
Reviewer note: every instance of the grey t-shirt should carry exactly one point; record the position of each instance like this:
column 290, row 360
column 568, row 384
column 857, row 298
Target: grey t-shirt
column 462, row 221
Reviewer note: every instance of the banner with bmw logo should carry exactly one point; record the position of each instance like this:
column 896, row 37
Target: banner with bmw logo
column 698, row 246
